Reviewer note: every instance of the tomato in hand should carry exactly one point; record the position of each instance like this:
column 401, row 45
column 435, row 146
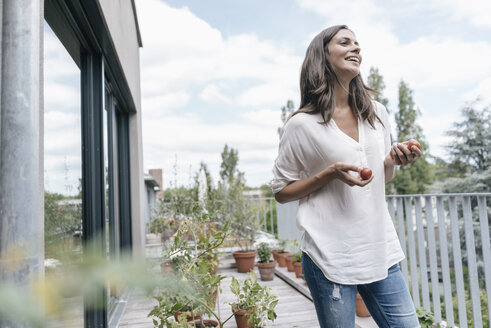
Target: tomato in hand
column 412, row 143
column 365, row 174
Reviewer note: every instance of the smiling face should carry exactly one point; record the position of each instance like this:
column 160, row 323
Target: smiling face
column 344, row 52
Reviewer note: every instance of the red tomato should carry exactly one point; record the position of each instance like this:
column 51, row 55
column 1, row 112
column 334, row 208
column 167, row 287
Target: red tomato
column 365, row 174
column 412, row 143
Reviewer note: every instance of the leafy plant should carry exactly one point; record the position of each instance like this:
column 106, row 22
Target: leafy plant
column 257, row 301
column 264, row 253
column 282, row 245
column 194, row 256
column 426, row 318
column 297, row 257
column 163, row 226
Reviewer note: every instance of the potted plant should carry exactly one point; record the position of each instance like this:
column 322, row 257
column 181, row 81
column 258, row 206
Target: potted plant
column 280, row 254
column 254, row 303
column 297, row 264
column 265, row 265
column 190, row 259
column 244, row 224
column 163, row 226
column 289, row 263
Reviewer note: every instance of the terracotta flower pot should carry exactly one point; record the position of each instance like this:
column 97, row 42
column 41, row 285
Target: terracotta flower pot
column 166, row 267
column 266, row 270
column 275, row 255
column 361, row 309
column 241, row 319
column 289, row 263
column 206, row 323
column 297, row 266
column 191, row 316
column 244, row 260
column 281, row 259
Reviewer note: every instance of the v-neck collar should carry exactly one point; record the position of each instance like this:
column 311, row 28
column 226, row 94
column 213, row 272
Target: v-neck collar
column 347, row 137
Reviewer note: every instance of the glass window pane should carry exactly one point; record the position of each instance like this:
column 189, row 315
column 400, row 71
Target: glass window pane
column 62, row 174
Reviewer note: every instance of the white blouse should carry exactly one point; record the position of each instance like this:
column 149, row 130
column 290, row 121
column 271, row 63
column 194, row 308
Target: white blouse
column 347, row 231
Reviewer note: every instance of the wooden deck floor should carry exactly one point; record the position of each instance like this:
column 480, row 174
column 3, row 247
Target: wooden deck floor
column 293, row 309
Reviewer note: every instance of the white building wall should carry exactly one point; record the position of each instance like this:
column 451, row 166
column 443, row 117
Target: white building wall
column 122, row 26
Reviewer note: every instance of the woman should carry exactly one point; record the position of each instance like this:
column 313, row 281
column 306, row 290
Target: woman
column 349, row 242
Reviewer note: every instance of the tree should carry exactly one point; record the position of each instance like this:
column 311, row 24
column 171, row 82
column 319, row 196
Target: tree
column 413, row 178
column 471, row 144
column 209, row 179
column 376, row 82
column 286, row 111
column 60, row 221
column 405, row 118
column 228, row 168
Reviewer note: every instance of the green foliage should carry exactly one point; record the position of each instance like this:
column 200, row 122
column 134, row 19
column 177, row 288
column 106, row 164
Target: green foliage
column 426, row 318
column 471, row 138
column 266, row 190
column 194, row 256
column 471, row 182
column 244, row 216
column 282, row 245
column 164, row 226
column 414, row 178
column 376, row 81
column 297, row 257
column 243, row 212
column 258, row 301
column 264, row 253
column 229, row 172
column 286, row 112
column 47, row 298
column 60, row 222
column 406, row 117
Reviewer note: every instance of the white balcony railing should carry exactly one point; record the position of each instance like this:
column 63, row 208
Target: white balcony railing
column 446, row 239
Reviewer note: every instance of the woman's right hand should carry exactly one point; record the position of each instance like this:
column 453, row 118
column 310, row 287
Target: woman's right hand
column 341, row 171
column 302, row 188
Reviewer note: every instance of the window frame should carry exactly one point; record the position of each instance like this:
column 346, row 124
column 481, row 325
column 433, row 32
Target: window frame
column 80, row 27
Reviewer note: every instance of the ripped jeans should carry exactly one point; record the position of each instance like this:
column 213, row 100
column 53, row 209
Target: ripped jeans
column 388, row 300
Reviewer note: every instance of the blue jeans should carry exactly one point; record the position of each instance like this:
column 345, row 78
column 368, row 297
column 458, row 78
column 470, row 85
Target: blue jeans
column 388, row 300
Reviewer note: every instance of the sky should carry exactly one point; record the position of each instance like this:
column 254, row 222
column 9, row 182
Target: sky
column 218, row 72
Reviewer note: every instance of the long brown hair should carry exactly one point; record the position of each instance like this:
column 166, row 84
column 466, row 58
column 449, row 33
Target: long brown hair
column 317, row 80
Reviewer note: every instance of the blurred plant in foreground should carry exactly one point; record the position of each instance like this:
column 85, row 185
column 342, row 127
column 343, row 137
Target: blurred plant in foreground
column 45, row 297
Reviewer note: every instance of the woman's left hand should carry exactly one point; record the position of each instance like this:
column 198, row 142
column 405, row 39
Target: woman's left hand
column 400, row 154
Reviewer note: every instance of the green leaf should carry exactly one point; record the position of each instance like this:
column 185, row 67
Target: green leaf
column 234, row 286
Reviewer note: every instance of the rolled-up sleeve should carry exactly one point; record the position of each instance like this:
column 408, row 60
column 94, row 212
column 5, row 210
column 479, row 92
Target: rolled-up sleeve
column 288, row 165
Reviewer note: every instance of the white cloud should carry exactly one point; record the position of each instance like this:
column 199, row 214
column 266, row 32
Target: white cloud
column 62, row 118
column 269, row 94
column 185, row 58
column 183, row 51
column 160, row 105
column 212, row 94
column 59, row 96
column 426, row 62
column 194, row 140
column 478, row 12
column 267, row 117
column 187, row 61
column 482, row 91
